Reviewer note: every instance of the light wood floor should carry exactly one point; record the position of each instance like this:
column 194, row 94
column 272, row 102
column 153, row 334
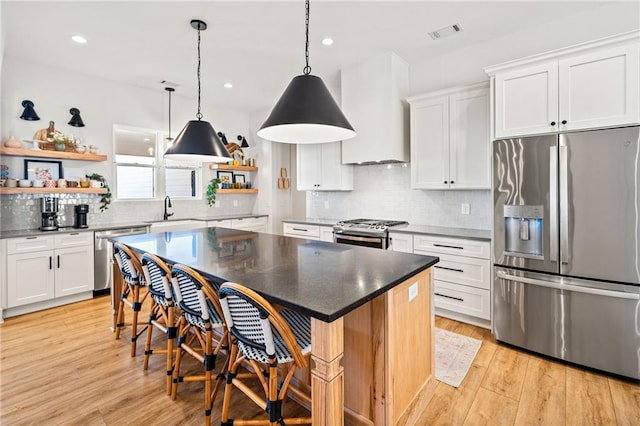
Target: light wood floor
column 63, row 366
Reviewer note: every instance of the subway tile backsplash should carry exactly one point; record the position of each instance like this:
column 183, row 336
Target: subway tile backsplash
column 384, row 192
column 23, row 211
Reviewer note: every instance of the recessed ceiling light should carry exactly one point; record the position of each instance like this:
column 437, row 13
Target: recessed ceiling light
column 79, row 39
column 327, row 41
column 228, row 85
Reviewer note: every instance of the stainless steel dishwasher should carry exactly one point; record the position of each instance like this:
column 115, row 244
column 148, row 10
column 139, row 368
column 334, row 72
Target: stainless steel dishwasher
column 103, row 253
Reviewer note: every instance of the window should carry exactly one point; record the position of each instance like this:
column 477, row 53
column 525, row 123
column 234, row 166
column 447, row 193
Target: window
column 142, row 172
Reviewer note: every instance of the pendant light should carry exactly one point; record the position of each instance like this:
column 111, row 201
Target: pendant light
column 306, row 111
column 198, row 140
column 169, row 90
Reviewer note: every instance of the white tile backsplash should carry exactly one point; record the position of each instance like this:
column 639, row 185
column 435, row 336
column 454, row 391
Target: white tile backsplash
column 384, row 192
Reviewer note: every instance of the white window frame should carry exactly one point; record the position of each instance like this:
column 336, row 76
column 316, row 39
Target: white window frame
column 160, row 168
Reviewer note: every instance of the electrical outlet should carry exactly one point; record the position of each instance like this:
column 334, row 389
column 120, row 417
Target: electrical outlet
column 235, row 203
column 465, row 208
column 326, row 204
column 413, row 291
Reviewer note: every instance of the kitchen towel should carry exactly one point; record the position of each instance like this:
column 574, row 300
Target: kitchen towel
column 454, row 355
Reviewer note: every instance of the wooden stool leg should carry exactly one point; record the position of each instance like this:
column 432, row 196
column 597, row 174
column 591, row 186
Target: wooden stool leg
column 120, row 317
column 147, row 346
column 134, row 320
column 171, row 337
column 226, row 401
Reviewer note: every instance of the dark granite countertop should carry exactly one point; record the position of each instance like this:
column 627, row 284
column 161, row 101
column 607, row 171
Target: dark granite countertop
column 321, row 279
column 19, row 233
column 443, row 231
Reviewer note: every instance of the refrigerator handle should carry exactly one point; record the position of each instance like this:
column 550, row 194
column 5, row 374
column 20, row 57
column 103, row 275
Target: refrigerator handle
column 564, row 205
column 553, row 204
column 569, row 287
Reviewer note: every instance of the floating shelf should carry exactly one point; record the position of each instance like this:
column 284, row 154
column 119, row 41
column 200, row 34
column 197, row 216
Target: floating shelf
column 43, row 153
column 54, row 191
column 237, row 191
column 217, row 166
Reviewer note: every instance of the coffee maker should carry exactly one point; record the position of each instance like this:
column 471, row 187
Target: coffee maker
column 80, row 218
column 49, row 210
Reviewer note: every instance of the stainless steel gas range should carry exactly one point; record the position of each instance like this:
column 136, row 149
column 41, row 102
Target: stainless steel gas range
column 365, row 232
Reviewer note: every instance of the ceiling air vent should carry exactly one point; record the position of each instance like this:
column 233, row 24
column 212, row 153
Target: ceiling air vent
column 446, row 31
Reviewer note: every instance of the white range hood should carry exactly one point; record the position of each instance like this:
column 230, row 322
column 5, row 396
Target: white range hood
column 373, row 96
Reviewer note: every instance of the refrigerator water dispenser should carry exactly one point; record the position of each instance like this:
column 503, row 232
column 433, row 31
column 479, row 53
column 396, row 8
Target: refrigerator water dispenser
column 523, row 231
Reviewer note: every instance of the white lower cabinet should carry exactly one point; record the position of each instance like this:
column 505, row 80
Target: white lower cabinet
column 401, row 242
column 225, row 223
column 326, row 233
column 462, row 278
column 49, row 269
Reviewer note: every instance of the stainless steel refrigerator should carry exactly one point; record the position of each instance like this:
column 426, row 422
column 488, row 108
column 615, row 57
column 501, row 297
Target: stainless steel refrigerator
column 567, row 247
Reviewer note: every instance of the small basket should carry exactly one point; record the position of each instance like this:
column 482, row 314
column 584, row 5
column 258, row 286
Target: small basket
column 51, row 146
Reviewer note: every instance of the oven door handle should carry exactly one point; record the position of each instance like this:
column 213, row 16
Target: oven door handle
column 355, row 238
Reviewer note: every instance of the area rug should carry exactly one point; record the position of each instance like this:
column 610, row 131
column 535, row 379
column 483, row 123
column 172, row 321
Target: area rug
column 454, row 355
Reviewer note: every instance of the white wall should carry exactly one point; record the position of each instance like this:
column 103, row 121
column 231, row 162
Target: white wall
column 102, row 104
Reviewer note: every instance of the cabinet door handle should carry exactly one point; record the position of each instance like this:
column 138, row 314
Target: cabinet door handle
column 452, row 182
column 446, row 182
column 553, row 123
column 564, row 121
column 300, row 229
column 449, row 269
column 31, row 238
column 446, row 246
column 449, row 297
column 74, row 233
column 58, row 261
column 50, row 262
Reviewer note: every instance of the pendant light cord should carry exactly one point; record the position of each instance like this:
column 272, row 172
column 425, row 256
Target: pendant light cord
column 199, row 114
column 307, row 68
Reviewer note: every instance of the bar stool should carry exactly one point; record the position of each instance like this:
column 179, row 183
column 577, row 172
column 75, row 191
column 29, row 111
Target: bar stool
column 265, row 338
column 201, row 314
column 133, row 279
column 162, row 311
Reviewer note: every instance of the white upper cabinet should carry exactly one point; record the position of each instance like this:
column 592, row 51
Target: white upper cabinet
column 373, row 96
column 450, row 139
column 593, row 85
column 320, row 168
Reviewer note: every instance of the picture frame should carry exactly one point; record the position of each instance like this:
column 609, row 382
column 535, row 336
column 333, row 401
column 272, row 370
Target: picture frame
column 42, row 169
column 225, row 177
column 238, row 178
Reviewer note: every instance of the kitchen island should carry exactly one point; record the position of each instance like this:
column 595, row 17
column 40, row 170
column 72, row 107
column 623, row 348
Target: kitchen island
column 371, row 310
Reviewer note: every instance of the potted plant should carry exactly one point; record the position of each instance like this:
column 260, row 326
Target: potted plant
column 212, row 188
column 105, row 200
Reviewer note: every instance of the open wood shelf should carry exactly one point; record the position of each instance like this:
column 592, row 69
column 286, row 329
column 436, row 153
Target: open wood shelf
column 237, row 191
column 54, row 191
column 43, row 153
column 218, row 166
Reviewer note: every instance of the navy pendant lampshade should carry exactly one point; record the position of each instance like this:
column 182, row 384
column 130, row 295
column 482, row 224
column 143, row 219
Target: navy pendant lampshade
column 306, row 113
column 198, row 140
column 76, row 120
column 29, row 113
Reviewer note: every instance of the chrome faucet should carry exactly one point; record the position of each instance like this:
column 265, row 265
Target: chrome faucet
column 167, row 204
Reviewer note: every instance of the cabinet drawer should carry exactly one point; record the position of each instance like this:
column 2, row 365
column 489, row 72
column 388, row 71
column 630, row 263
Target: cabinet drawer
column 73, row 239
column 465, row 300
column 302, row 230
column 250, row 223
column 29, row 244
column 462, row 270
column 455, row 246
column 220, row 223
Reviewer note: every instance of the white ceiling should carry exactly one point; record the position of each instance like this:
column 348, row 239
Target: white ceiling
column 256, row 45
